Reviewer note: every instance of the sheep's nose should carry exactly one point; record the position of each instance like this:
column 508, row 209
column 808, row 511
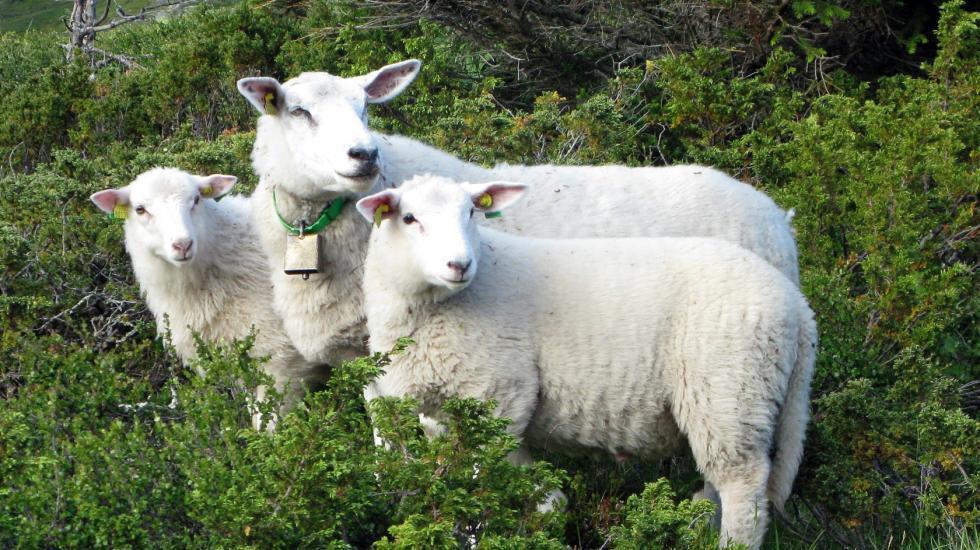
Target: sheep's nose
column 183, row 245
column 363, row 154
column 460, row 267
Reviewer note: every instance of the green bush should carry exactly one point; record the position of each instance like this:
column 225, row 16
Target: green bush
column 653, row 520
column 95, row 457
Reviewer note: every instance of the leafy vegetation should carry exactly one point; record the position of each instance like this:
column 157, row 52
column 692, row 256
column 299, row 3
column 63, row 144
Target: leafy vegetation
column 105, row 440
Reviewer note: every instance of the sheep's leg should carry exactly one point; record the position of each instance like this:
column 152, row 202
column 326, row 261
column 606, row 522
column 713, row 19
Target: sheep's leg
column 270, row 427
column 292, row 391
column 556, row 499
column 431, row 426
column 742, row 489
column 372, row 391
column 737, row 474
column 521, row 457
column 292, row 394
column 708, row 492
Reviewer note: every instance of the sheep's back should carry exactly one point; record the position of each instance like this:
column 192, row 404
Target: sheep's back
column 674, row 201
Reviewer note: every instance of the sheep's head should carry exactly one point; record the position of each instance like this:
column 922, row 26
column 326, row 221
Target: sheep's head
column 161, row 209
column 315, row 126
column 428, row 226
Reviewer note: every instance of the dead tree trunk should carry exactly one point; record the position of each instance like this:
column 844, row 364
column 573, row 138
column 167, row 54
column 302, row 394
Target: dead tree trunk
column 85, row 22
column 81, row 26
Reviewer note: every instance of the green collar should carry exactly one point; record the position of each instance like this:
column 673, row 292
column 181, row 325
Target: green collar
column 330, row 213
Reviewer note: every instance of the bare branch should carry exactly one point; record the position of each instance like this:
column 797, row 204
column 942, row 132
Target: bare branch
column 117, row 22
column 123, row 60
column 108, row 5
column 83, row 26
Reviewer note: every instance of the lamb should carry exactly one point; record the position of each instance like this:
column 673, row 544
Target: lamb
column 198, row 264
column 313, row 147
column 622, row 346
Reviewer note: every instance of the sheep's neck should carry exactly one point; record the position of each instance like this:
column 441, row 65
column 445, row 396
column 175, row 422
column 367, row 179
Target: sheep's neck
column 390, row 316
column 327, row 215
column 296, row 210
column 166, row 288
column 344, row 241
column 395, row 308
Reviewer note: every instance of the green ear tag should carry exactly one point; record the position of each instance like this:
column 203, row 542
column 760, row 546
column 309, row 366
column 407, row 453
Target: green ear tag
column 496, row 214
column 270, row 104
column 380, row 211
column 207, row 191
column 120, row 212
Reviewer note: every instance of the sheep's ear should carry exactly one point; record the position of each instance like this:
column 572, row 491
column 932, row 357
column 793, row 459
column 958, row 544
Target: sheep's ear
column 112, row 201
column 215, row 185
column 494, row 196
column 265, row 93
column 389, row 81
column 379, row 206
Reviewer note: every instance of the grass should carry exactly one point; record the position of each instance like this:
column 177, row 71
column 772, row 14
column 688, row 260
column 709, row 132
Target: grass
column 46, row 15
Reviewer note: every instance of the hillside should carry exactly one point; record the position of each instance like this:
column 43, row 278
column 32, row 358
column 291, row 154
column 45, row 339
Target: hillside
column 46, row 15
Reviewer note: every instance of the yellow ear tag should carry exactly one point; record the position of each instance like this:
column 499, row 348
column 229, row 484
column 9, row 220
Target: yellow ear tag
column 207, row 191
column 270, row 104
column 120, row 211
column 381, row 210
column 486, row 201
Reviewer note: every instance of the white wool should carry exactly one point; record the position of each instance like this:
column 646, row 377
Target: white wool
column 323, row 314
column 223, row 292
column 304, row 157
column 630, row 347
column 617, row 201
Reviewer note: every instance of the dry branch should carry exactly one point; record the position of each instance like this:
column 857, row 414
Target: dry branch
column 84, row 23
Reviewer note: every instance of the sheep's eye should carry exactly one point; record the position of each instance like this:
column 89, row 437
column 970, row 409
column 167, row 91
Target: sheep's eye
column 140, row 209
column 471, row 211
column 197, row 199
column 409, row 219
column 299, row 111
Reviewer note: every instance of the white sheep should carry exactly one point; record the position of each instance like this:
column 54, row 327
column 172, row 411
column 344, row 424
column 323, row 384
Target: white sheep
column 198, row 264
column 313, row 146
column 623, row 346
